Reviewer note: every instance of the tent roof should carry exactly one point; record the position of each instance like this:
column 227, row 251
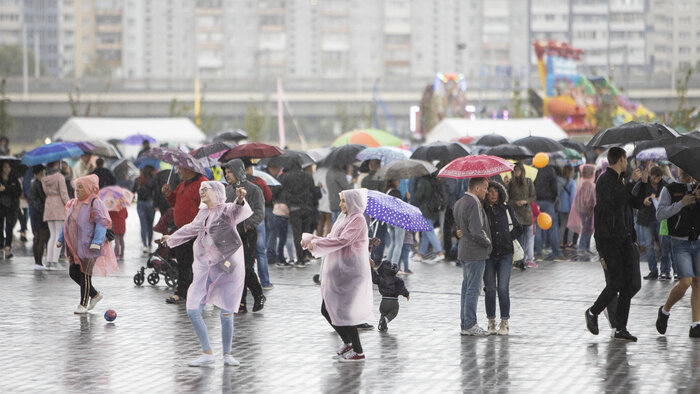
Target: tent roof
column 512, row 129
column 177, row 130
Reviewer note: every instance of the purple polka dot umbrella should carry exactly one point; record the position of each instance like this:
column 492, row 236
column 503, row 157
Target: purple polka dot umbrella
column 395, row 212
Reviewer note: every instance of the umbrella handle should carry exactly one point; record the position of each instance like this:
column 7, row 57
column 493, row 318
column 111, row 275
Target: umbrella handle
column 171, row 174
column 375, row 225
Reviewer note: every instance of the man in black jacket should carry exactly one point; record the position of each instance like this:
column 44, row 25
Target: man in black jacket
column 547, row 190
column 300, row 194
column 616, row 243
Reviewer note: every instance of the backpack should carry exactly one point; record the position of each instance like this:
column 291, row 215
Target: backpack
column 438, row 200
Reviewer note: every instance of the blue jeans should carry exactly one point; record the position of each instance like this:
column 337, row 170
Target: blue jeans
column 429, row 237
column 261, row 256
column 686, row 255
column 334, row 216
column 649, row 232
column 498, row 270
column 548, row 237
column 405, row 250
column 584, row 243
column 146, row 214
column 472, row 277
column 524, row 240
column 277, row 237
column 200, row 328
column 396, row 234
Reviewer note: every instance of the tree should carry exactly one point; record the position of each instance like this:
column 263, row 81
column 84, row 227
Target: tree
column 178, row 109
column 100, row 108
column 254, row 122
column 428, row 112
column 519, row 107
column 11, row 60
column 685, row 116
column 6, row 121
column 605, row 113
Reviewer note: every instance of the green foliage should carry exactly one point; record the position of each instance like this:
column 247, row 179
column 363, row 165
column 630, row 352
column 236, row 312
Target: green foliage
column 605, row 114
column 95, row 108
column 428, row 110
column 6, row 121
column 179, row 109
column 519, row 106
column 11, row 61
column 254, row 122
column 685, row 116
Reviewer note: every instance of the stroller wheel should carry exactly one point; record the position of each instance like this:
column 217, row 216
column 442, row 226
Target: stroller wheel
column 170, row 280
column 153, row 278
column 138, row 279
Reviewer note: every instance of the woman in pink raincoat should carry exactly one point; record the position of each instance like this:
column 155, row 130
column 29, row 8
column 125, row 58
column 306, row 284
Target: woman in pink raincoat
column 581, row 216
column 84, row 233
column 218, row 269
column 346, row 280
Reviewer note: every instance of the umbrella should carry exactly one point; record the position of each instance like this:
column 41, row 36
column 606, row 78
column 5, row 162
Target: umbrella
column 440, row 150
column 288, row 159
column 51, row 152
column 490, row 140
column 231, row 135
column 212, row 149
column 368, row 137
column 9, row 158
column 571, row 154
column 475, row 166
column 392, row 210
column 409, row 168
column 146, row 160
column 251, row 149
column 318, row 154
column 652, row 154
column 85, row 146
column 122, row 167
column 137, row 139
column 659, row 143
column 575, row 145
column 510, row 151
column 115, row 197
column 540, row 144
column 385, row 154
column 684, row 152
column 176, row 157
column 466, row 140
column 269, row 179
column 100, row 148
column 631, row 132
column 342, row 155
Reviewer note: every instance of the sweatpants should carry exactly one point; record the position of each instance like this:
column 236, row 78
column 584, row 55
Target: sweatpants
column 389, row 308
column 348, row 334
column 85, row 283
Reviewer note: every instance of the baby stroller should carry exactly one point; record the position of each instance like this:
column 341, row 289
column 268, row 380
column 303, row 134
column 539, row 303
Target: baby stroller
column 161, row 261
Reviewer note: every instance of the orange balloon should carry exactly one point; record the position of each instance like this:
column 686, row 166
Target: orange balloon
column 544, row 221
column 540, row 160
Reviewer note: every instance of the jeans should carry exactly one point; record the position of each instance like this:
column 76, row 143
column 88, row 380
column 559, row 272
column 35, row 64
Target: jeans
column 686, row 255
column 377, row 254
column 277, row 237
column 334, row 216
column 261, row 256
column 472, row 276
column 146, row 214
column 429, row 238
column 397, row 234
column 548, row 237
column 405, row 250
column 200, row 328
column 301, row 221
column 498, row 270
column 525, row 240
column 250, row 240
column 585, row 242
column 8, row 220
column 650, row 232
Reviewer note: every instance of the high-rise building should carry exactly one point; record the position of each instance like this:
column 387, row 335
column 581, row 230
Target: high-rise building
column 675, row 34
column 10, row 22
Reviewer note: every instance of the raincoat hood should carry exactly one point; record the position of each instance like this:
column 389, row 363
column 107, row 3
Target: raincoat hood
column 355, row 200
column 216, row 192
column 90, row 183
column 387, row 268
column 236, row 166
column 588, row 171
column 502, row 193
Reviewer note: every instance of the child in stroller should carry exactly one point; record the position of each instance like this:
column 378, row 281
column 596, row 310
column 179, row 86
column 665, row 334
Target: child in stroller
column 161, row 260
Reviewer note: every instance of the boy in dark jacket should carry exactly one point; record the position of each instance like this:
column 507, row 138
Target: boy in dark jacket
column 390, row 287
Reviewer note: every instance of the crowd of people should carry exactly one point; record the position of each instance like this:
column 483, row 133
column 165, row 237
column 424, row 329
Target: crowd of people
column 226, row 231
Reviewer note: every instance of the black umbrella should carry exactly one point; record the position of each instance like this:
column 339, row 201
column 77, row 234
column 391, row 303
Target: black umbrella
column 575, row 145
column 540, row 144
column 288, row 159
column 660, row 143
column 342, row 155
column 631, row 132
column 684, row 152
column 210, row 149
column 509, row 151
column 440, row 151
column 490, row 140
column 231, row 135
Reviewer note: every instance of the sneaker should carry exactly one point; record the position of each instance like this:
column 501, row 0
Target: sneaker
column 365, row 326
column 475, row 331
column 652, row 276
column 437, row 258
column 561, row 257
column 204, row 359
column 39, row 267
column 230, row 361
column 243, row 309
column 401, row 273
column 346, row 348
column 662, row 321
column 624, row 334
column 285, row 263
column 383, row 324
column 694, row 332
column 503, row 327
column 492, row 327
column 259, row 303
column 352, row 357
column 145, row 250
column 94, row 300
column 317, row 279
column 408, row 272
column 531, row 264
column 664, row 276
column 80, row 310
column 268, row 287
column 592, row 322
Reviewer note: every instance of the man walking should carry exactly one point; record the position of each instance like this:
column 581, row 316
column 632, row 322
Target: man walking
column 474, row 247
column 616, row 243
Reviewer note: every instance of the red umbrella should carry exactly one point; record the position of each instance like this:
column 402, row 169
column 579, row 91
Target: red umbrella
column 466, row 140
column 253, row 149
column 475, row 166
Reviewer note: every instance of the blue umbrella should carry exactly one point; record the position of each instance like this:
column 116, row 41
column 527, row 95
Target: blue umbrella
column 51, row 152
column 269, row 179
column 137, row 139
column 144, row 161
column 395, row 212
column 384, row 154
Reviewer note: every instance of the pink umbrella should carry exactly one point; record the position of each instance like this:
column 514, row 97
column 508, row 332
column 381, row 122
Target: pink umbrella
column 115, row 197
column 475, row 166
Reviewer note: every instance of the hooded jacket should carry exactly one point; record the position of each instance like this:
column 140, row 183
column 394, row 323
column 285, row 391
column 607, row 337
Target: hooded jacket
column 470, row 217
column 501, row 235
column 298, row 189
column 336, row 182
column 254, row 195
column 546, row 184
column 386, row 280
column 522, row 191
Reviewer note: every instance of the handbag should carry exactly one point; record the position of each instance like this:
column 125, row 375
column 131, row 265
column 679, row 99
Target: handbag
column 518, row 252
column 110, row 233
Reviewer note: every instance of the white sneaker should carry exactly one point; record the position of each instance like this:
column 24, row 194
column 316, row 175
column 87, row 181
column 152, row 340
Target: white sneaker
column 204, row 359
column 39, row 267
column 94, row 300
column 475, row 331
column 492, row 327
column 146, row 250
column 80, row 310
column 229, row 360
column 503, row 327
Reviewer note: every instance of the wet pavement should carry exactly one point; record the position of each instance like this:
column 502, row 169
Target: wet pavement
column 287, row 347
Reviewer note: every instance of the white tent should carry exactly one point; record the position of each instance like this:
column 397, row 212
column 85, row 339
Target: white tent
column 176, row 130
column 512, row 129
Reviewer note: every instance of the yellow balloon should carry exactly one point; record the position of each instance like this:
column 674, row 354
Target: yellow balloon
column 540, row 160
column 544, row 221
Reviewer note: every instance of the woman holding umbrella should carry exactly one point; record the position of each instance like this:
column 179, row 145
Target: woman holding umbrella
column 346, row 283
column 10, row 191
